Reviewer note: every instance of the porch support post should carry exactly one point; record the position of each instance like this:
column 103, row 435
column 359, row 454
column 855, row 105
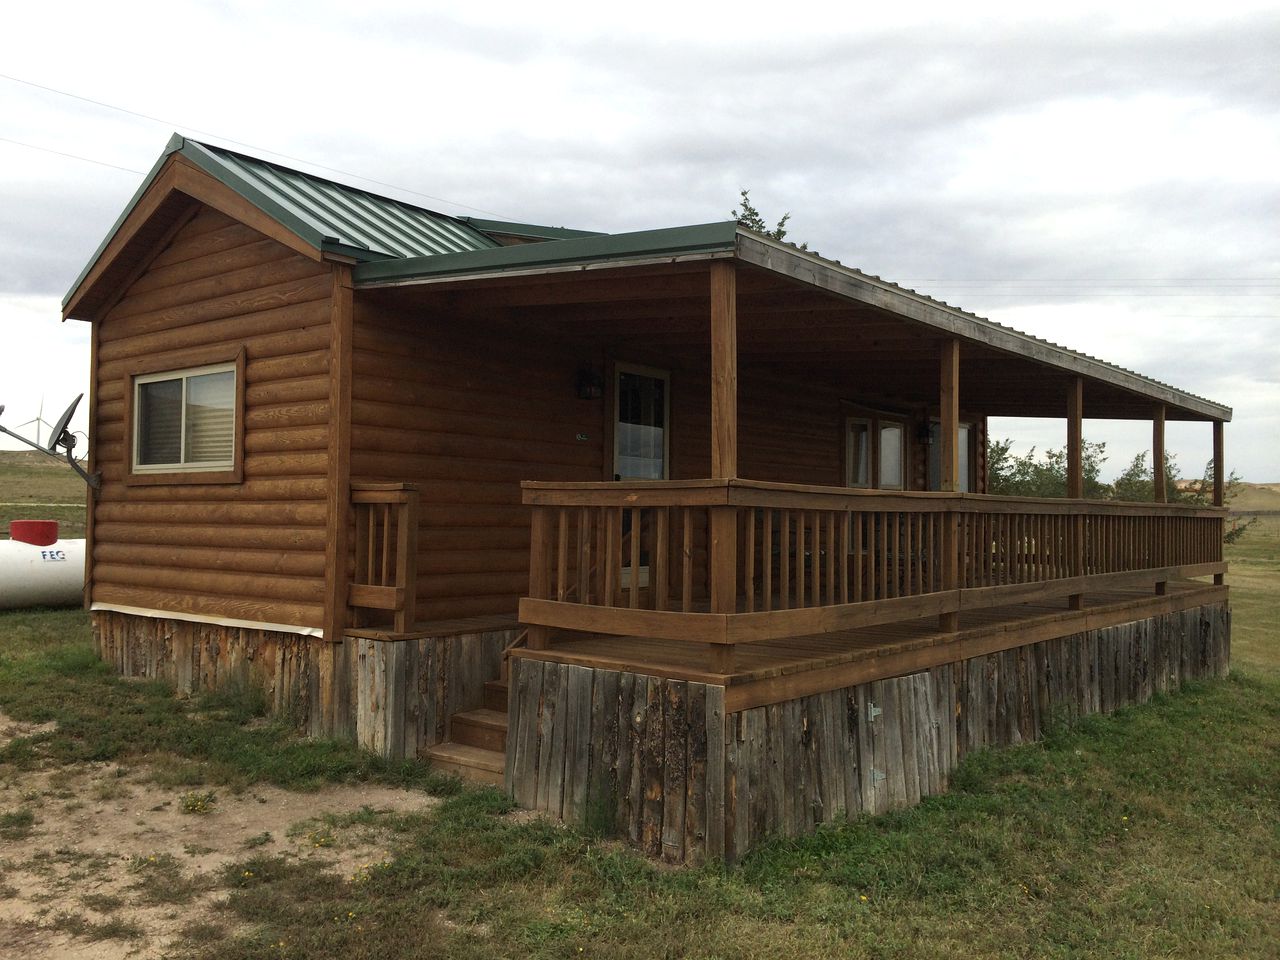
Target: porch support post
column 949, row 429
column 1157, row 455
column 1219, row 480
column 1219, row 467
column 1160, row 491
column 724, row 449
column 1075, row 478
column 724, row 371
column 1075, row 439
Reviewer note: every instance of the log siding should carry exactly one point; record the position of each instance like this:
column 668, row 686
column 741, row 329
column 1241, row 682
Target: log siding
column 252, row 550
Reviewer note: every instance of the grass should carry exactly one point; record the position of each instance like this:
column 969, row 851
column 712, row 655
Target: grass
column 48, row 671
column 37, row 487
column 1152, row 832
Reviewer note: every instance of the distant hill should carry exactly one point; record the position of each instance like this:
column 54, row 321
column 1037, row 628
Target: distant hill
column 1256, row 498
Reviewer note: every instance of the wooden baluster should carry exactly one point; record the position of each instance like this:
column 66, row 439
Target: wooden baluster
column 843, row 552
column 815, row 560
column 784, row 560
column 633, row 592
column 749, row 558
column 660, row 581
column 909, row 551
column 386, row 545
column 686, row 560
column 584, row 555
column 882, row 552
column 611, row 570
column 766, row 558
column 562, row 555
column 800, row 519
column 856, row 547
column 831, row 557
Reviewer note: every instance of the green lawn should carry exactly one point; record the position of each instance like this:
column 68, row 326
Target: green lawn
column 1150, row 833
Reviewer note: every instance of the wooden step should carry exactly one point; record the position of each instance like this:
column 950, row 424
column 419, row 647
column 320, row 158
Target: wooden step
column 482, row 728
column 472, row 764
column 495, row 695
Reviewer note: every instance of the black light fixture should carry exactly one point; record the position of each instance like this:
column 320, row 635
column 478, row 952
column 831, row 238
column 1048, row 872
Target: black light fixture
column 924, row 435
column 590, row 384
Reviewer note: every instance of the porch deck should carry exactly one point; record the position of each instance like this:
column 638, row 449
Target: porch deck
column 777, row 670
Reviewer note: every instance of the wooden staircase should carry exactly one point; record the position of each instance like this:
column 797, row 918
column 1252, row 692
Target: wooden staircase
column 478, row 751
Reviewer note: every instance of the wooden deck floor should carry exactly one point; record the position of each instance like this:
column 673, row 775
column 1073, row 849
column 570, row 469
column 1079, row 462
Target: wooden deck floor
column 799, row 666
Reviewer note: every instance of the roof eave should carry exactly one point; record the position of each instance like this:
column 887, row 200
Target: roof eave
column 853, row 284
column 700, row 240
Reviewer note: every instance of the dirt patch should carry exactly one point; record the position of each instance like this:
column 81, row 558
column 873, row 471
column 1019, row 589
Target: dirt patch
column 11, row 730
column 98, row 862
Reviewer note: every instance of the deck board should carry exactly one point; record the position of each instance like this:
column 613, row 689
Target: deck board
column 768, row 671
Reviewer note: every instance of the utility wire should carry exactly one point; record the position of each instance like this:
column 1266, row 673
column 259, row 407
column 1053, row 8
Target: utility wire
column 239, row 143
column 73, row 156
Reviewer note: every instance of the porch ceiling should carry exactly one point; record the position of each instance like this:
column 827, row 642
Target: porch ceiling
column 873, row 353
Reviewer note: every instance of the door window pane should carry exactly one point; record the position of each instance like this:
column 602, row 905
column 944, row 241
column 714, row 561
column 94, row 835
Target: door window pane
column 641, row 428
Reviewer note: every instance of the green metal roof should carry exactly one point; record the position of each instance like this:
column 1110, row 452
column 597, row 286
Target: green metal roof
column 330, row 216
column 531, row 230
column 667, row 243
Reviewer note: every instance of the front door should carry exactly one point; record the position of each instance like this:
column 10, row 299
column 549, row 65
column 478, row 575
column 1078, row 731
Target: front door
column 641, row 450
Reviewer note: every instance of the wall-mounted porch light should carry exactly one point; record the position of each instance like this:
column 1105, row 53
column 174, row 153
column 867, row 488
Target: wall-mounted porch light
column 590, row 384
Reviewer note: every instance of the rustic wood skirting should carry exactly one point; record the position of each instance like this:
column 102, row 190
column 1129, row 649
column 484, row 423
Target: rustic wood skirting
column 306, row 681
column 660, row 762
column 407, row 690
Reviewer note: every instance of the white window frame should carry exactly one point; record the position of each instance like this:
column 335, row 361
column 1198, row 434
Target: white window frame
column 882, row 421
column 184, row 374
column 872, row 441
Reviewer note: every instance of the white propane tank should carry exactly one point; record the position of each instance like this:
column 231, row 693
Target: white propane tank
column 42, row 574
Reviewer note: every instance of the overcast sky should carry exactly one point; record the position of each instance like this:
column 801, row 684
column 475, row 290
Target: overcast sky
column 1108, row 180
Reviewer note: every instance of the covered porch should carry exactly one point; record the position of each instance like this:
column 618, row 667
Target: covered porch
column 773, row 540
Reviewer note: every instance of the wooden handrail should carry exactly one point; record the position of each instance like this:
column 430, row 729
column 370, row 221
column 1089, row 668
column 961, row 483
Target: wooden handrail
column 807, row 559
column 761, row 493
column 386, row 552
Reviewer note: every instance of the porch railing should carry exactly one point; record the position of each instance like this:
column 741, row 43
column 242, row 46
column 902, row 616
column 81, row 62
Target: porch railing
column 386, row 549
column 728, row 562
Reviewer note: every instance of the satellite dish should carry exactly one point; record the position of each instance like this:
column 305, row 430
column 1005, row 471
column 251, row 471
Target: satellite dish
column 61, row 436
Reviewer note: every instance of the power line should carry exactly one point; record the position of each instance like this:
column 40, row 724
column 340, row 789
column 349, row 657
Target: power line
column 239, row 143
column 73, row 156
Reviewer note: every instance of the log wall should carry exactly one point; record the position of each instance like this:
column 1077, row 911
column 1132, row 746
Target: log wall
column 304, row 681
column 660, row 762
column 409, row 690
column 252, row 550
column 467, row 406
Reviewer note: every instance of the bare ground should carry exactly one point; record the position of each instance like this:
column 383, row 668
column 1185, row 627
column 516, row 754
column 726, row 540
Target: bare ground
column 113, row 866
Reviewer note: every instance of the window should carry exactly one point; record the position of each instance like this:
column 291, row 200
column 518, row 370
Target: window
column 640, row 427
column 859, row 447
column 964, row 441
column 876, row 452
column 184, row 424
column 893, row 450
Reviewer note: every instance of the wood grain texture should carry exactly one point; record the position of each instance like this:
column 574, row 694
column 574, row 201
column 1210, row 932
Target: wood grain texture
column 194, row 296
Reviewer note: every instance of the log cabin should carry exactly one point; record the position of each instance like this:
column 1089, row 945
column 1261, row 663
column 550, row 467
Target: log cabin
column 684, row 531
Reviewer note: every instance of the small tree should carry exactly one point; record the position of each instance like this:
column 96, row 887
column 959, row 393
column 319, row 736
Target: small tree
column 750, row 218
column 1032, row 476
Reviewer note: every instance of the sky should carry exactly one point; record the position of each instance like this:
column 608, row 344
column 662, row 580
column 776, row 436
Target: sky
column 1105, row 176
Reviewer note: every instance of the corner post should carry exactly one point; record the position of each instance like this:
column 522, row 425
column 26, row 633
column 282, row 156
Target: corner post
column 1160, row 482
column 540, row 571
column 949, row 430
column 1075, row 479
column 1161, row 494
column 1219, row 484
column 338, row 510
column 724, row 448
